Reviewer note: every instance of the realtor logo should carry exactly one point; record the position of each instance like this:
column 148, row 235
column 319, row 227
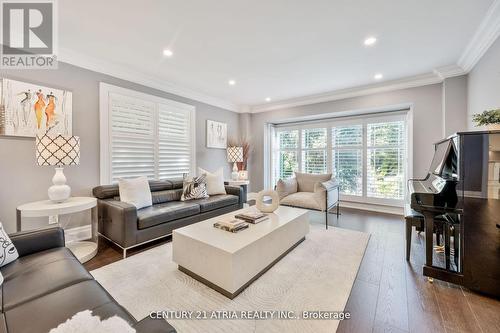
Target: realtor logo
column 28, row 34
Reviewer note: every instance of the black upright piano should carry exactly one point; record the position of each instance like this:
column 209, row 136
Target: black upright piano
column 461, row 196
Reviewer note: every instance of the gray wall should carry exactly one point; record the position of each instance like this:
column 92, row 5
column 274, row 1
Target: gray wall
column 484, row 84
column 23, row 181
column 454, row 104
column 427, row 123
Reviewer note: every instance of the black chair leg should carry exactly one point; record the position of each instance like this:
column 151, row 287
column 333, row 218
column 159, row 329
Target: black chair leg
column 408, row 238
column 326, row 218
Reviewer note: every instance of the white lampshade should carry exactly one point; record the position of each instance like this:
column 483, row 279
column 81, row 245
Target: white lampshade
column 57, row 150
column 235, row 154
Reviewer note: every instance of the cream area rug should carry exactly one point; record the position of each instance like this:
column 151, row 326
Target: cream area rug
column 316, row 276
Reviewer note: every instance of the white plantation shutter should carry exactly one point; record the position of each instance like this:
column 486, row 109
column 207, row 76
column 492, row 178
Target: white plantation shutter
column 314, row 154
column 132, row 137
column 288, row 139
column 347, row 143
column 174, row 141
column 146, row 136
column 314, row 161
column 386, row 151
column 285, row 154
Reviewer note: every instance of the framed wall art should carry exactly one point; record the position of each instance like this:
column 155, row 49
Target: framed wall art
column 28, row 109
column 216, row 134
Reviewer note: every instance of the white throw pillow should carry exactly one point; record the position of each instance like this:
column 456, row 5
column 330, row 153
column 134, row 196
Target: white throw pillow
column 215, row 181
column 135, row 191
column 8, row 252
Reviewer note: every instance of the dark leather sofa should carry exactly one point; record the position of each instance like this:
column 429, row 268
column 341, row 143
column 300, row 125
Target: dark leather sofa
column 128, row 227
column 47, row 285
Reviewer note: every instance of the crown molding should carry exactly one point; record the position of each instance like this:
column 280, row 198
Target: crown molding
column 449, row 71
column 135, row 76
column 485, row 35
column 405, row 83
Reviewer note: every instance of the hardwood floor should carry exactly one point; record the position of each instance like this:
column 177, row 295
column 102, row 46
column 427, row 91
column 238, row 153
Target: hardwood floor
column 389, row 294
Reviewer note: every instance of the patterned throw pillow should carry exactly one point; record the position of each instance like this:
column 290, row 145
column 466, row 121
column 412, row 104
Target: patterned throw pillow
column 194, row 188
column 8, row 252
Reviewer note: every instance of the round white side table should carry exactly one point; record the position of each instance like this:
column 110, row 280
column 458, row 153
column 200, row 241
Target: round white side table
column 83, row 250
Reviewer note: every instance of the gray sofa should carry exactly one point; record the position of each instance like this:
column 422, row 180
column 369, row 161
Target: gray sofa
column 47, row 285
column 128, row 227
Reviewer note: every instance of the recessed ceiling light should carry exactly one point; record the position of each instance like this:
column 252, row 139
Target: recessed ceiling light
column 168, row 53
column 378, row 76
column 370, row 41
column 231, row 82
column 268, row 99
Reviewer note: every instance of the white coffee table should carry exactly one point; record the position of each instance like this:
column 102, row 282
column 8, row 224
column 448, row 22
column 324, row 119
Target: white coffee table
column 230, row 262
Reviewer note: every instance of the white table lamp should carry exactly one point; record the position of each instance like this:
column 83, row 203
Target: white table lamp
column 234, row 155
column 58, row 151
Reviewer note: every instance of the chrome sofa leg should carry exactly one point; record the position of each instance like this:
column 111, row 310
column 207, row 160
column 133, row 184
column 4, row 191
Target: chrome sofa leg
column 124, row 253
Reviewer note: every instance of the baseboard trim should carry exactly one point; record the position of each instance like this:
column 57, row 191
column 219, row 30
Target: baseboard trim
column 78, row 233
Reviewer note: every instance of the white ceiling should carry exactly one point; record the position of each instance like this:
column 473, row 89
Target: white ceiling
column 276, row 48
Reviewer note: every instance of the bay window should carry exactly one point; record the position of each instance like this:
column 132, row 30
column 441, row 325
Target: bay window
column 367, row 156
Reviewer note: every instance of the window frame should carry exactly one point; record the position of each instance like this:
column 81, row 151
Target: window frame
column 105, row 127
column 404, row 115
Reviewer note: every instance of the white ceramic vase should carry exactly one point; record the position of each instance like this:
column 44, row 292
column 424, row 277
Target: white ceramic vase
column 59, row 192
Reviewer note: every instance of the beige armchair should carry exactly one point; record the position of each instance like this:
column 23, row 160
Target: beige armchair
column 311, row 191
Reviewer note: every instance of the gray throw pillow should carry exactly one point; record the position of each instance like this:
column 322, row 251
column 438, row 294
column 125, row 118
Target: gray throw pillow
column 194, row 188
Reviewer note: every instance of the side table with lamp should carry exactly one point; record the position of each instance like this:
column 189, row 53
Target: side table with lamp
column 61, row 151
column 83, row 250
column 234, row 155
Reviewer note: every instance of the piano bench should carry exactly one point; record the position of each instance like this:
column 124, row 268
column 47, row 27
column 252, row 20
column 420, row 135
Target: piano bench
column 416, row 219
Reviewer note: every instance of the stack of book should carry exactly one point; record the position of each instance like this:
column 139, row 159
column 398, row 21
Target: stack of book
column 232, row 225
column 252, row 217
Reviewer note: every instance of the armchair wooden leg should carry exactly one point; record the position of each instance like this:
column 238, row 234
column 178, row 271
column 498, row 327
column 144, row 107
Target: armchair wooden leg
column 338, row 209
column 326, row 218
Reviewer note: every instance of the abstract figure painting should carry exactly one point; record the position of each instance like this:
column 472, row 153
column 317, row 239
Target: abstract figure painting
column 216, row 134
column 28, row 109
